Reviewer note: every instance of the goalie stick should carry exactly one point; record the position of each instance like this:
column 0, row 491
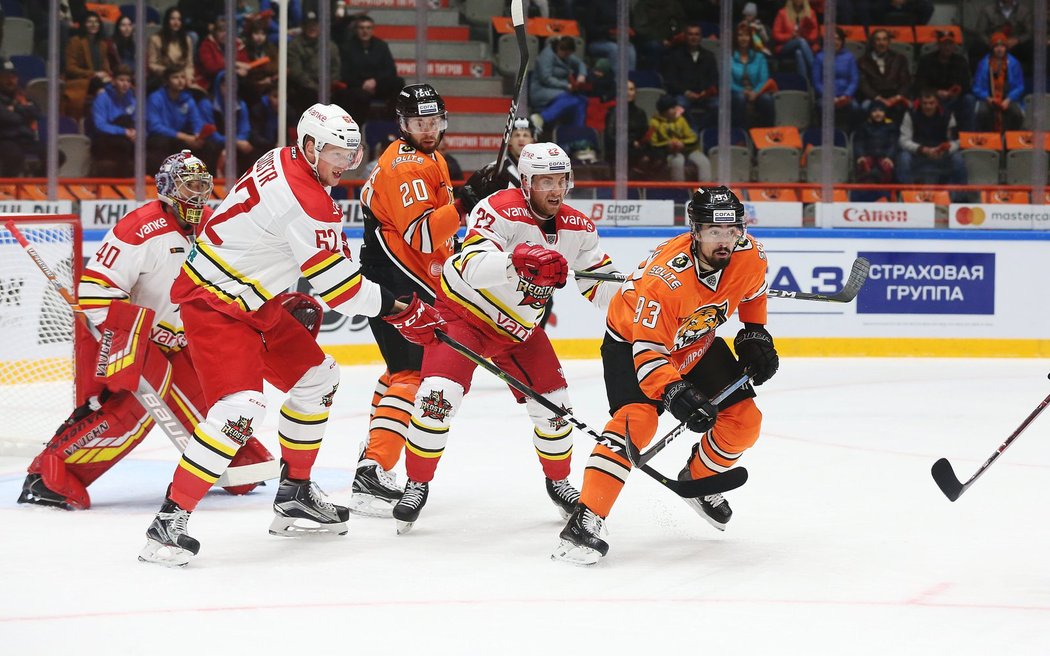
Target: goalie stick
column 517, row 16
column 858, row 275
column 945, row 477
column 723, row 482
column 146, row 395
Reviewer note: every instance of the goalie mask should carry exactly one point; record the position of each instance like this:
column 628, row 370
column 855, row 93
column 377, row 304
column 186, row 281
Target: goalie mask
column 716, row 215
column 544, row 159
column 183, row 183
column 421, row 110
column 336, row 136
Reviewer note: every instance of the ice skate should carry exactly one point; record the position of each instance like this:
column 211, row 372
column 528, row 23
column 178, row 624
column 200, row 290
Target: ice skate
column 167, row 542
column 564, row 496
column 407, row 509
column 35, row 492
column 580, row 541
column 301, row 508
column 713, row 508
column 375, row 491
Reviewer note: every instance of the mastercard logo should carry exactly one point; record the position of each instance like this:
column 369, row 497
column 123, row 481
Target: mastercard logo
column 969, row 216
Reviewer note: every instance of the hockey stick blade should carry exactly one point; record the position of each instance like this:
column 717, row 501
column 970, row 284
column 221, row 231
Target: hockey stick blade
column 858, row 275
column 701, row 487
column 945, row 477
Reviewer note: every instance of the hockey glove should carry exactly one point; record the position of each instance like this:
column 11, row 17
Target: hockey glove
column 417, row 322
column 754, row 347
column 689, row 405
column 304, row 308
column 482, row 184
column 540, row 266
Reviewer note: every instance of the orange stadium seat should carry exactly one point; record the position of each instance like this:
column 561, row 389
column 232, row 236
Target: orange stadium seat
column 925, row 196
column 773, row 194
column 784, row 136
column 813, row 196
column 900, row 33
column 1005, row 196
column 986, row 140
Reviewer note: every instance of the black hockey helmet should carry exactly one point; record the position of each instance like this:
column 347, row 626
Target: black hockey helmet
column 716, row 206
column 420, row 101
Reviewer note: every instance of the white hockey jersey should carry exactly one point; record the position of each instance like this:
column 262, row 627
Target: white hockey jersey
column 139, row 260
column 481, row 283
column 277, row 224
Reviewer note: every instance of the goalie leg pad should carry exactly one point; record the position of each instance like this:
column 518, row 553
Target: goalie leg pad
column 437, row 401
column 304, row 417
column 552, row 435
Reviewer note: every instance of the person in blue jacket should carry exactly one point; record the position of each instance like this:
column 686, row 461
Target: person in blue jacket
column 998, row 86
column 750, row 83
column 213, row 112
column 111, row 126
column 846, row 82
column 173, row 122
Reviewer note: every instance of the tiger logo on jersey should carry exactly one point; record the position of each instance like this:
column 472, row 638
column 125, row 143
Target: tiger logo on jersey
column 702, row 321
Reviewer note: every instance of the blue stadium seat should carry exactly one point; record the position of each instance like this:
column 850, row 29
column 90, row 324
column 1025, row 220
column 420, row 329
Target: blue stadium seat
column 815, row 137
column 152, row 15
column 376, row 132
column 737, row 137
column 787, row 81
column 12, row 8
column 566, row 135
column 647, row 78
column 29, row 67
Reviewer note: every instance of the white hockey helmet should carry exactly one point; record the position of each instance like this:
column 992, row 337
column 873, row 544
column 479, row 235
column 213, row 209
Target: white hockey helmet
column 184, row 183
column 331, row 125
column 543, row 159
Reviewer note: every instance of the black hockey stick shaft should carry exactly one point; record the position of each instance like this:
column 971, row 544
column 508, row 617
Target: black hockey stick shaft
column 702, row 487
column 517, row 15
column 857, row 277
column 945, row 477
column 639, row 459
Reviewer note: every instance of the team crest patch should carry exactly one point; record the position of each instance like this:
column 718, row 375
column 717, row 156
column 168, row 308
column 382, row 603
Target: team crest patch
column 435, row 406
column 533, row 294
column 700, row 323
column 326, row 400
column 239, row 431
column 680, row 262
column 558, row 423
column 551, row 239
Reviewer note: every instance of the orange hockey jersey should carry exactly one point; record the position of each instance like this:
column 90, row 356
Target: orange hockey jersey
column 669, row 313
column 410, row 217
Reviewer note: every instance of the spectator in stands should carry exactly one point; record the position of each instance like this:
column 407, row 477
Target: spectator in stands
column 875, row 146
column 751, row 85
column 369, row 70
column 929, row 145
column 257, row 69
column 1007, row 17
column 796, row 34
column 263, row 117
column 884, row 75
column 213, row 112
column 18, row 122
column 639, row 159
column 304, row 74
column 691, row 74
column 197, row 15
column 87, row 67
column 122, row 46
column 173, row 122
column 169, row 48
column 211, row 54
column 998, row 86
column 600, row 25
column 657, row 24
column 948, row 73
column 671, row 137
column 553, row 88
column 760, row 38
column 113, row 128
column 847, row 80
column 901, row 12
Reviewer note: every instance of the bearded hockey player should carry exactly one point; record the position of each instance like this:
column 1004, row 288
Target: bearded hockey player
column 661, row 353
column 126, row 287
column 520, row 247
column 278, row 223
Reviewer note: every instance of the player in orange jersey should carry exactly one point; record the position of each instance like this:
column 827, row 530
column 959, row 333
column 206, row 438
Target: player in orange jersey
column 660, row 353
column 411, row 217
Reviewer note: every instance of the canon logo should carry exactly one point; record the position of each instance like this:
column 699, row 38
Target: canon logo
column 875, row 216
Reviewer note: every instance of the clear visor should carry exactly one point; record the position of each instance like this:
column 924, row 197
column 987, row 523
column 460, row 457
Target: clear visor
column 728, row 233
column 552, row 182
column 425, row 124
column 195, row 188
column 341, row 158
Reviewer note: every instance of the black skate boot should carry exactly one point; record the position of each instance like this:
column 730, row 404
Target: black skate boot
column 564, row 496
column 580, row 544
column 35, row 492
column 166, row 540
column 302, row 501
column 406, row 512
column 375, row 491
column 714, row 508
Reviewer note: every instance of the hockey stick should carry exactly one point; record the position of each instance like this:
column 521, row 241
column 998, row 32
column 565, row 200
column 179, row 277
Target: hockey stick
column 723, row 482
column 638, row 458
column 945, row 477
column 517, row 16
column 146, row 395
column 857, row 277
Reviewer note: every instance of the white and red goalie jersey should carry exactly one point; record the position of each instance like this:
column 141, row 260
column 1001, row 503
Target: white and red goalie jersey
column 138, row 261
column 480, row 281
column 277, row 224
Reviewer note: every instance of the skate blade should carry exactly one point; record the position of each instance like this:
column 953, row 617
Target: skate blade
column 164, row 554
column 367, row 505
column 289, row 528
column 695, row 505
column 403, row 527
column 573, row 554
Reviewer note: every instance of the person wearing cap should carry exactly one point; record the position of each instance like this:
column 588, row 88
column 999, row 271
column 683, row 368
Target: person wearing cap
column 1012, row 19
column 760, row 38
column 672, row 137
column 948, row 73
column 998, row 86
column 18, row 118
column 304, row 73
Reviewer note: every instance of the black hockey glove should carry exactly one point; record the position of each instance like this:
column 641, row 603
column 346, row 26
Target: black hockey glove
column 482, row 184
column 754, row 347
column 688, row 404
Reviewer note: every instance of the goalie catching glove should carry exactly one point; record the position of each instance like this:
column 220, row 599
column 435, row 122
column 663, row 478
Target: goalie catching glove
column 540, row 266
column 754, row 347
column 417, row 322
column 688, row 405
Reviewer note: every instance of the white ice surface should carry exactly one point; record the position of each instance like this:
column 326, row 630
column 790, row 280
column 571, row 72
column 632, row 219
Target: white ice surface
column 840, row 542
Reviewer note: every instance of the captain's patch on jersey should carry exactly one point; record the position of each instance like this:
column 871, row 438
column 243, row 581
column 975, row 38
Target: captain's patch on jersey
column 702, row 321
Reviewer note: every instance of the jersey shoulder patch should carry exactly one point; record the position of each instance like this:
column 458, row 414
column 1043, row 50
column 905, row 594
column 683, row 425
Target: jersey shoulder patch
column 144, row 223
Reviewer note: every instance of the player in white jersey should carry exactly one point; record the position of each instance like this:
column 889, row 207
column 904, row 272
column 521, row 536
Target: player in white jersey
column 129, row 281
column 519, row 248
column 277, row 223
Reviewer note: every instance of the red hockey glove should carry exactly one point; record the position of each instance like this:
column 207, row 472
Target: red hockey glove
column 417, row 322
column 124, row 344
column 539, row 265
column 304, row 308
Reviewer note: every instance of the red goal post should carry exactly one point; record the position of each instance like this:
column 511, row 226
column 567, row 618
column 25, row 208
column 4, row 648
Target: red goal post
column 36, row 324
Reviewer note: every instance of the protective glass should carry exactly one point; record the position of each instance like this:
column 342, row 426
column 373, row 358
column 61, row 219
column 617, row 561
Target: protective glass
column 424, row 124
column 552, row 182
column 341, row 158
column 722, row 234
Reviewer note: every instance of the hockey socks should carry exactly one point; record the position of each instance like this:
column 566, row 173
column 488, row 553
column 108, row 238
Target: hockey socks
column 392, row 404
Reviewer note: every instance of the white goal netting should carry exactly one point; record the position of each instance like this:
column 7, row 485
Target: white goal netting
column 36, row 332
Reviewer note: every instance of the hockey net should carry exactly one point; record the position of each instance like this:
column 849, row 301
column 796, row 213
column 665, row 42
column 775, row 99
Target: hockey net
column 36, row 331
